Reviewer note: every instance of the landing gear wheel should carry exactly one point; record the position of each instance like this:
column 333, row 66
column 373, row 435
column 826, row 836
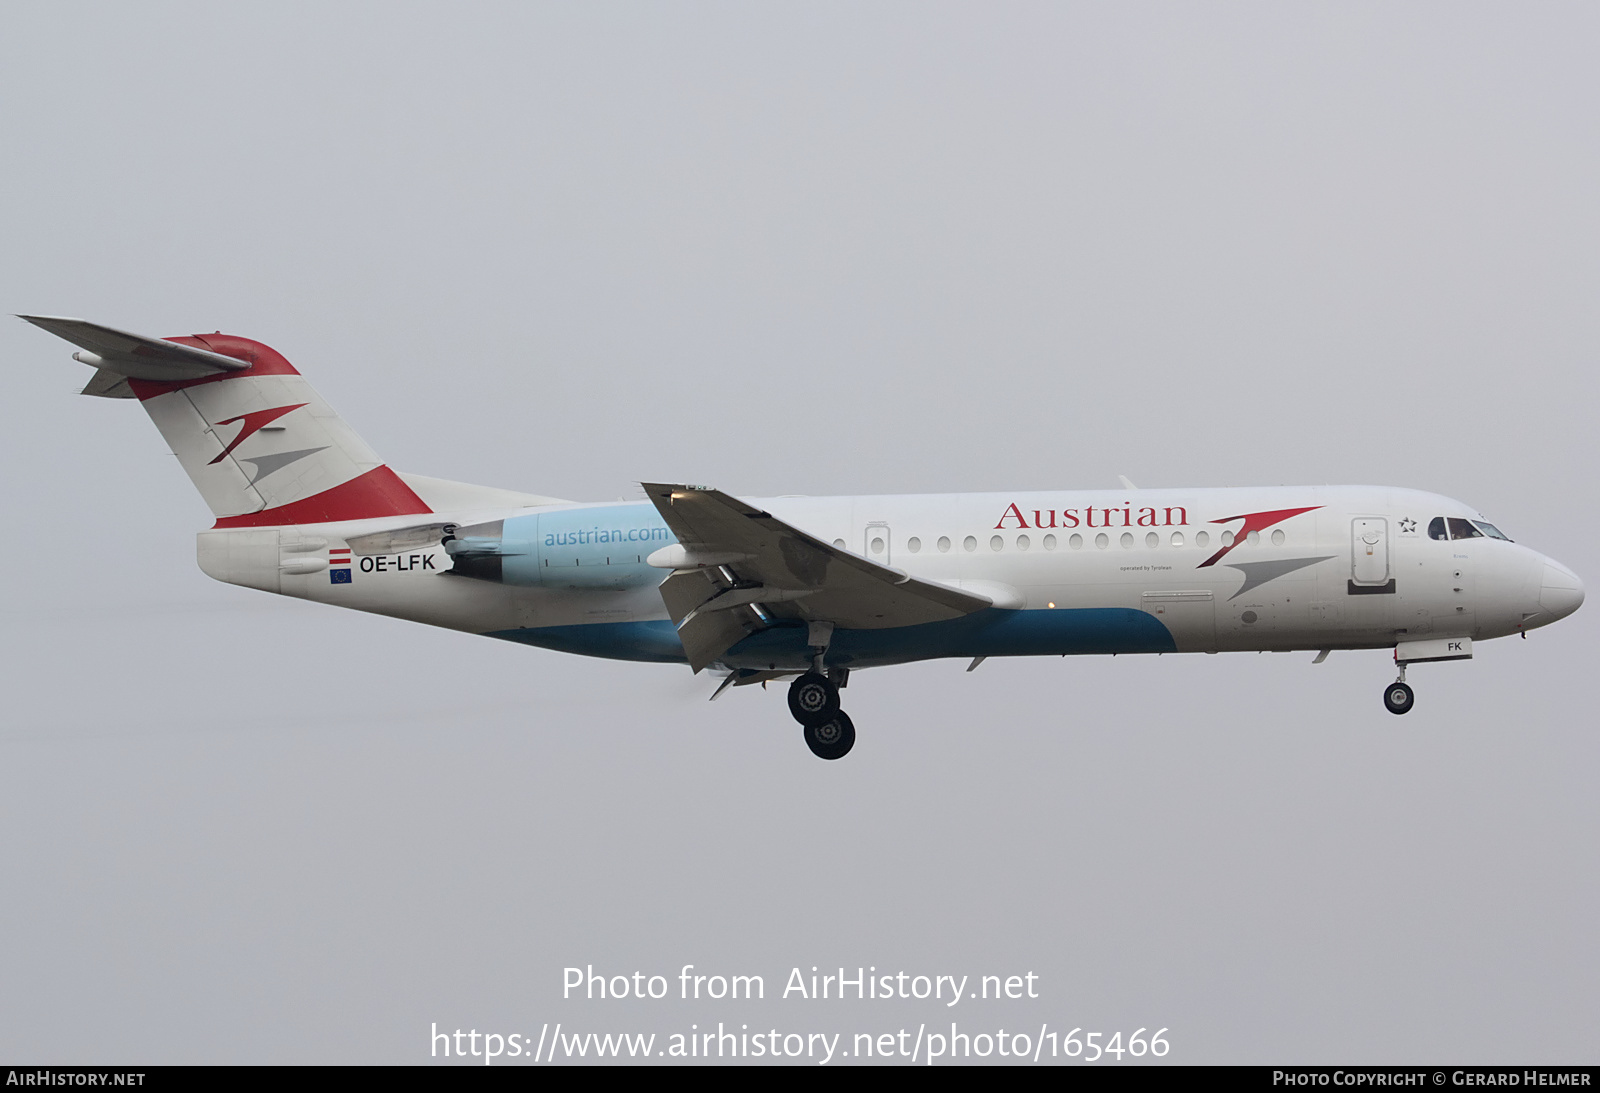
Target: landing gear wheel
column 813, row 699
column 832, row 739
column 1398, row 698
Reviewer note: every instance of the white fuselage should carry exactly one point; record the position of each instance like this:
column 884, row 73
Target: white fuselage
column 1198, row 570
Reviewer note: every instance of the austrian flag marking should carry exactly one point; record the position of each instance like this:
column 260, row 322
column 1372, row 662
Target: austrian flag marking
column 339, row 568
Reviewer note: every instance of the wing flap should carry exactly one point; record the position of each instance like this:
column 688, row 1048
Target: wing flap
column 705, row 633
column 683, row 592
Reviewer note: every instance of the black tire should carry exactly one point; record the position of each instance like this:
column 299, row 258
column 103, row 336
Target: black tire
column 813, row 699
column 832, row 739
column 1398, row 698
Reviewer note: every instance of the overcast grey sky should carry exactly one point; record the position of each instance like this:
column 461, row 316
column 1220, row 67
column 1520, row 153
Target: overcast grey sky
column 820, row 248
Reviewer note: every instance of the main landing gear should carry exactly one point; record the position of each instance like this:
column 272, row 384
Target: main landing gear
column 1398, row 698
column 814, row 702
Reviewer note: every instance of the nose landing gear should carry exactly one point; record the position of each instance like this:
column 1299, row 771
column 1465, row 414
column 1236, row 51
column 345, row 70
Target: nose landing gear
column 1398, row 697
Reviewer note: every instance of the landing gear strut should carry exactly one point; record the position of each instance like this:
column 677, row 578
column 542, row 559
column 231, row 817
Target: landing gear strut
column 814, row 699
column 1397, row 698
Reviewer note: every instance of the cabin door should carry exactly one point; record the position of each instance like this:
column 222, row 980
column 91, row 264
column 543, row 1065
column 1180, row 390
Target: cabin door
column 1369, row 555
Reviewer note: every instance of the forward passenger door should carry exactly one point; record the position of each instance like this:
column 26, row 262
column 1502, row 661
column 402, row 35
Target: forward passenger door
column 1369, row 556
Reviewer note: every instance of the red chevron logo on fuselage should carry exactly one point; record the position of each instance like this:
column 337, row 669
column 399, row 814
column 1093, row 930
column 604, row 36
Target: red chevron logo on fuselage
column 254, row 420
column 1253, row 521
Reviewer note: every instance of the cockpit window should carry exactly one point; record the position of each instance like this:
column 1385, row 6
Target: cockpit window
column 1436, row 528
column 1490, row 530
column 1463, row 529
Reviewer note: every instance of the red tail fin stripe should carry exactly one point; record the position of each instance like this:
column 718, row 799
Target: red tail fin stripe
column 379, row 492
column 263, row 361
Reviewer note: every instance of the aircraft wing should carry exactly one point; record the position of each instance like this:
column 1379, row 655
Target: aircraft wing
column 118, row 355
column 734, row 556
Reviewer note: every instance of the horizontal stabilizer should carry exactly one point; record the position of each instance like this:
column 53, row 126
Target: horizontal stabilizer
column 134, row 355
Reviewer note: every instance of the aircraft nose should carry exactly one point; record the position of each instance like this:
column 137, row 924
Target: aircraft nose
column 1562, row 591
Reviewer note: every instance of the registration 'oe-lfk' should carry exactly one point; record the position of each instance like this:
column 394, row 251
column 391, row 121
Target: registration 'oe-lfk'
column 812, row 588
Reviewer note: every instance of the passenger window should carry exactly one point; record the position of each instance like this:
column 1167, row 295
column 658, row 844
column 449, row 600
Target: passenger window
column 1463, row 529
column 1490, row 530
column 1436, row 528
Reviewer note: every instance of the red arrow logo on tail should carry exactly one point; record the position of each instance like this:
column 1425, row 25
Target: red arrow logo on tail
column 254, row 420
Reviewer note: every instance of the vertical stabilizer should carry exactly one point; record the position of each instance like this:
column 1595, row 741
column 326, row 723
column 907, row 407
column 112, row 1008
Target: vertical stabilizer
column 259, row 443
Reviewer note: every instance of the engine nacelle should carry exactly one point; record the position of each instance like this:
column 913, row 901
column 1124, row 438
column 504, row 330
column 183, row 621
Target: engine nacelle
column 563, row 548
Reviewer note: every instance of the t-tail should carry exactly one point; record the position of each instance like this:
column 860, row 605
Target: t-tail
column 259, row 443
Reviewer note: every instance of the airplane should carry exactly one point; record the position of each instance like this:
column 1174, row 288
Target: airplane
column 810, row 589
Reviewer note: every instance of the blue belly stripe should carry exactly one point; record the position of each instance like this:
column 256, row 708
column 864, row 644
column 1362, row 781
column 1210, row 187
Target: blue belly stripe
column 989, row 633
column 648, row 641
